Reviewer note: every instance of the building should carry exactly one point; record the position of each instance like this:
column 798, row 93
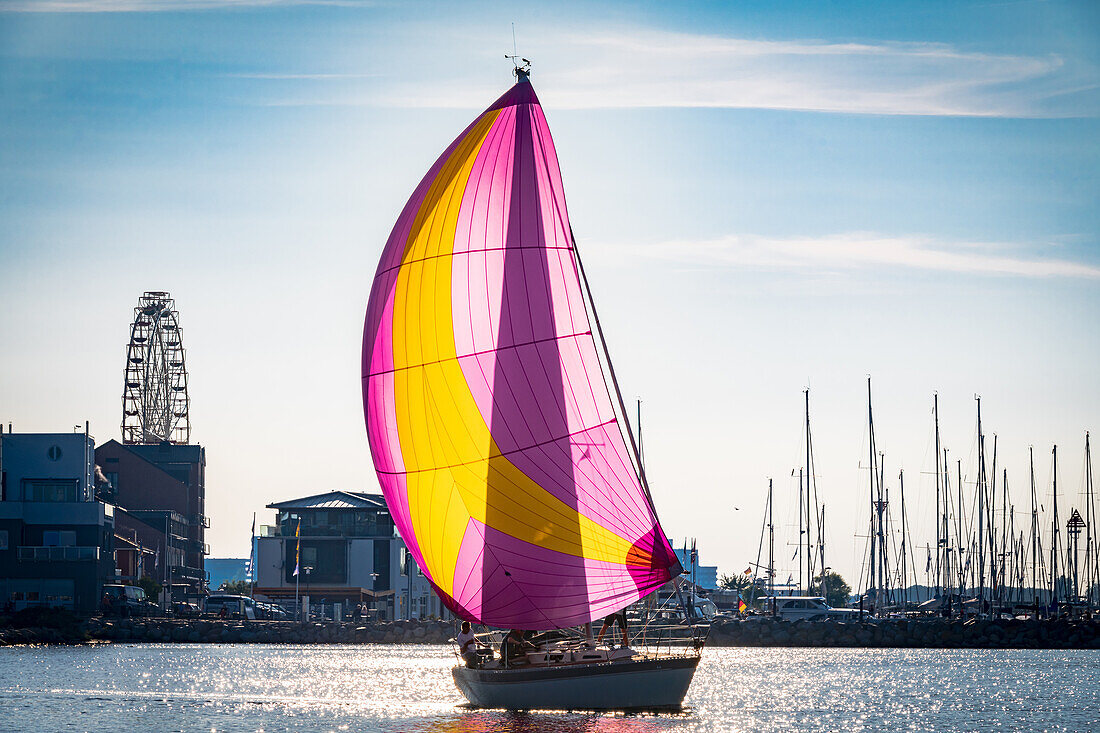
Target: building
column 162, row 488
column 56, row 538
column 350, row 553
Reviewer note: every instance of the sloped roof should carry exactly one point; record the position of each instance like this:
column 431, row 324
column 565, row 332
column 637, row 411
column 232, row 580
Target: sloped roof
column 334, row 500
column 113, row 445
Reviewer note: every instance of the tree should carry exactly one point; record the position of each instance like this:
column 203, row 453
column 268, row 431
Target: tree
column 151, row 587
column 740, row 583
column 835, row 589
column 237, row 588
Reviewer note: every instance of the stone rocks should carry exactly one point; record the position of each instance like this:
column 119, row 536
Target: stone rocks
column 918, row 633
column 268, row 632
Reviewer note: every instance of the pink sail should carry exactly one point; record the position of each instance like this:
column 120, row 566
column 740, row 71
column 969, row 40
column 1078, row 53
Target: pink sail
column 490, row 422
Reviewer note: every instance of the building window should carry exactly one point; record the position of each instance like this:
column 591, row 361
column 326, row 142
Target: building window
column 3, row 539
column 58, row 538
column 54, row 453
column 49, row 490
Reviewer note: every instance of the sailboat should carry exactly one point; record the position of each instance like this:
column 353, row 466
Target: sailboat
column 511, row 477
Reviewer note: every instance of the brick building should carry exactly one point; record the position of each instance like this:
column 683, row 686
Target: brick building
column 162, row 490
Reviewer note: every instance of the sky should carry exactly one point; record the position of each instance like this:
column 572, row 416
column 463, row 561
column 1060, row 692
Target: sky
column 768, row 196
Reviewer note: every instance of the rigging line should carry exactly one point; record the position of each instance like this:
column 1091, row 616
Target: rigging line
column 563, row 216
column 614, row 379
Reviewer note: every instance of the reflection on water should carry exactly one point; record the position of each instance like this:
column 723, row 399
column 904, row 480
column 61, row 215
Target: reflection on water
column 409, row 688
column 496, row 721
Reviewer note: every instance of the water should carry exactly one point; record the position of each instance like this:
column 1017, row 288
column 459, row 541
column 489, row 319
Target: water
column 194, row 687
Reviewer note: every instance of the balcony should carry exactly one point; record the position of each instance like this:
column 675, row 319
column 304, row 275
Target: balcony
column 58, row 554
column 196, row 546
column 356, row 529
column 183, row 573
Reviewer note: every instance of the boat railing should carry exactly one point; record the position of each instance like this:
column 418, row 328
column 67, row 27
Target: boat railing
column 649, row 635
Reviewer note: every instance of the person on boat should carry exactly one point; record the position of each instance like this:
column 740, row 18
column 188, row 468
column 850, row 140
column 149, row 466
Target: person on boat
column 467, row 646
column 617, row 617
column 512, row 649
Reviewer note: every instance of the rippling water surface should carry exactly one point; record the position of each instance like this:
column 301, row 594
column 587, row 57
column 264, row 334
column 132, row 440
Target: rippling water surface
column 206, row 687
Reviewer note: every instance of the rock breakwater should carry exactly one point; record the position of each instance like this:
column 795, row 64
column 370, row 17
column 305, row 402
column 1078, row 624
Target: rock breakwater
column 269, row 632
column 911, row 633
column 764, row 632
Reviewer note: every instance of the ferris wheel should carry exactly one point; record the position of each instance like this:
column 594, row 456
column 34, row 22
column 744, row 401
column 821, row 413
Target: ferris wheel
column 155, row 404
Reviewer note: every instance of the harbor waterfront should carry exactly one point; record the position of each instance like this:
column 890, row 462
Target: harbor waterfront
column 757, row 631
column 407, row 688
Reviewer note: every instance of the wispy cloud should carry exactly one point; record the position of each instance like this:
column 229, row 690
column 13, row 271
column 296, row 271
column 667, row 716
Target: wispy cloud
column 651, row 68
column 150, row 6
column 854, row 250
column 303, row 77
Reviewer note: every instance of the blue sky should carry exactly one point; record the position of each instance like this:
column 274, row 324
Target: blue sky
column 767, row 195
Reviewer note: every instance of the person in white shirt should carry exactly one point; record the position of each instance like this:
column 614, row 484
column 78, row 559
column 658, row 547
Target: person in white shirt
column 467, row 645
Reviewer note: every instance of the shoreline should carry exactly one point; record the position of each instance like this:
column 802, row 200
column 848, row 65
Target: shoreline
column 759, row 632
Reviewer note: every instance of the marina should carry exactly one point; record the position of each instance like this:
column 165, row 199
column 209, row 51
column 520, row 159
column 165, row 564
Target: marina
column 309, row 420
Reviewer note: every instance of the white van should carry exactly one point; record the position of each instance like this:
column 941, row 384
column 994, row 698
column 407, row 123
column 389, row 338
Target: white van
column 793, row 608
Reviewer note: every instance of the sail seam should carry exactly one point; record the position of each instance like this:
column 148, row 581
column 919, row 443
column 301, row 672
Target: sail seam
column 459, row 357
column 403, row 263
column 499, row 453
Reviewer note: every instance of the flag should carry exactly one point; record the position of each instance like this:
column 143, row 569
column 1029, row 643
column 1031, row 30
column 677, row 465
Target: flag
column 928, row 565
column 156, row 559
column 298, row 551
column 251, row 550
column 748, row 570
column 741, row 605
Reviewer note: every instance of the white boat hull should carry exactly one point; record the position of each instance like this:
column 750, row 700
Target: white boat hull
column 636, row 684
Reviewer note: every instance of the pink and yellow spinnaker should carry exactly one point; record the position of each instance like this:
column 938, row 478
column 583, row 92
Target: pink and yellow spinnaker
column 490, row 422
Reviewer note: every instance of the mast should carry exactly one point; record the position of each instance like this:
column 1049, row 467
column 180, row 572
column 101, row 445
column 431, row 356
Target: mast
column 1004, row 579
column 959, row 534
column 771, row 544
column 871, row 470
column 801, row 531
column 939, row 538
column 883, row 503
column 994, row 587
column 948, row 573
column 904, row 575
column 1092, row 577
column 821, row 546
column 809, row 517
column 980, row 488
column 1054, row 540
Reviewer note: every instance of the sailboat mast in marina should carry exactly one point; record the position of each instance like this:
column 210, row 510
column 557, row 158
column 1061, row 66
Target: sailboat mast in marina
column 503, row 455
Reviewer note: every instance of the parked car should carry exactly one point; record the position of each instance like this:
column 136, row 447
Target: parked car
column 278, row 613
column 128, row 600
column 234, row 606
column 271, row 611
column 815, row 608
column 185, row 610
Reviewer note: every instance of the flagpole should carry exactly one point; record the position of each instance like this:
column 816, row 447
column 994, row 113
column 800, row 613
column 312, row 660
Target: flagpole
column 297, row 575
column 252, row 558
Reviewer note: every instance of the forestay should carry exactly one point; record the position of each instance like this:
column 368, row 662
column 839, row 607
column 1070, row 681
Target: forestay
column 489, row 419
